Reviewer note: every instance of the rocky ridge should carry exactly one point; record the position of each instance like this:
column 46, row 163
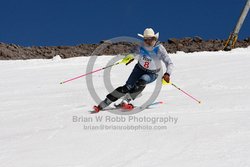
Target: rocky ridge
column 188, row 44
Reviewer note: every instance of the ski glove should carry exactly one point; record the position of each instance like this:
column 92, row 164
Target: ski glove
column 166, row 77
column 128, row 59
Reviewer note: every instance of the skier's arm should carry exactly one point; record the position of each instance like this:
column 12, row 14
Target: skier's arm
column 132, row 56
column 127, row 59
column 166, row 60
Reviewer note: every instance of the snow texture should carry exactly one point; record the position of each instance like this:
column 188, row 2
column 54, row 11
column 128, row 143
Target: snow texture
column 37, row 128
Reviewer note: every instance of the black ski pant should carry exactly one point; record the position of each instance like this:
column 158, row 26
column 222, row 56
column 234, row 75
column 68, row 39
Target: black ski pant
column 135, row 84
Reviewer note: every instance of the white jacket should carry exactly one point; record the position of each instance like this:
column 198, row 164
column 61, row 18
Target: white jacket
column 150, row 59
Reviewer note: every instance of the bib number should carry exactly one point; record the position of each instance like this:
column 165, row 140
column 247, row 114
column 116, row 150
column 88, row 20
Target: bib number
column 146, row 64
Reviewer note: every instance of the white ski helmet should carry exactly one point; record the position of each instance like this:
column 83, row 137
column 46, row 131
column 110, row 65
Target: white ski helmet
column 149, row 32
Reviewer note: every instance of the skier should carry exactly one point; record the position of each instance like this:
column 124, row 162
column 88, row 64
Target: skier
column 150, row 54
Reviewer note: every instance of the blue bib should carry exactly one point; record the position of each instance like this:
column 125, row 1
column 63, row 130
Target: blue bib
column 149, row 54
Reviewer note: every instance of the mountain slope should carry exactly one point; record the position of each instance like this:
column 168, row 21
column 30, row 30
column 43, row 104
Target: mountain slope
column 37, row 127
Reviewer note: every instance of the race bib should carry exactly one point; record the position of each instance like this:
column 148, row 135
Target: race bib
column 147, row 58
column 146, row 62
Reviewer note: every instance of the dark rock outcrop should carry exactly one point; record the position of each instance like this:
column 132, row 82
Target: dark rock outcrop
column 188, row 44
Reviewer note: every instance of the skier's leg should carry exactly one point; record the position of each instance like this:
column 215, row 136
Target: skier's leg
column 134, row 76
column 122, row 90
column 138, row 88
column 113, row 96
column 133, row 93
column 149, row 78
column 106, row 102
column 118, row 93
column 141, row 84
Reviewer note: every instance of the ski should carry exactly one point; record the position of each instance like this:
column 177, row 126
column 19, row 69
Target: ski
column 125, row 110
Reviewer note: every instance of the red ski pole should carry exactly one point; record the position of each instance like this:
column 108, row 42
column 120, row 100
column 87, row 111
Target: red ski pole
column 166, row 83
column 126, row 60
column 89, row 73
column 186, row 93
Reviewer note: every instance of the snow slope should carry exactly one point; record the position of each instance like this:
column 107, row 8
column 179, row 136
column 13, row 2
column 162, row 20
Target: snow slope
column 37, row 127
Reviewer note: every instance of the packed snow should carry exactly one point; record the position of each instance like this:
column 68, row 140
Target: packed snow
column 45, row 124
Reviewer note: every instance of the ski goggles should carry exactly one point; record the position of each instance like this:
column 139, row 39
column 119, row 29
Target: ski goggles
column 149, row 39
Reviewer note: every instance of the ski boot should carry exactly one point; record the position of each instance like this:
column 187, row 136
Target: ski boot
column 96, row 108
column 125, row 103
column 106, row 102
